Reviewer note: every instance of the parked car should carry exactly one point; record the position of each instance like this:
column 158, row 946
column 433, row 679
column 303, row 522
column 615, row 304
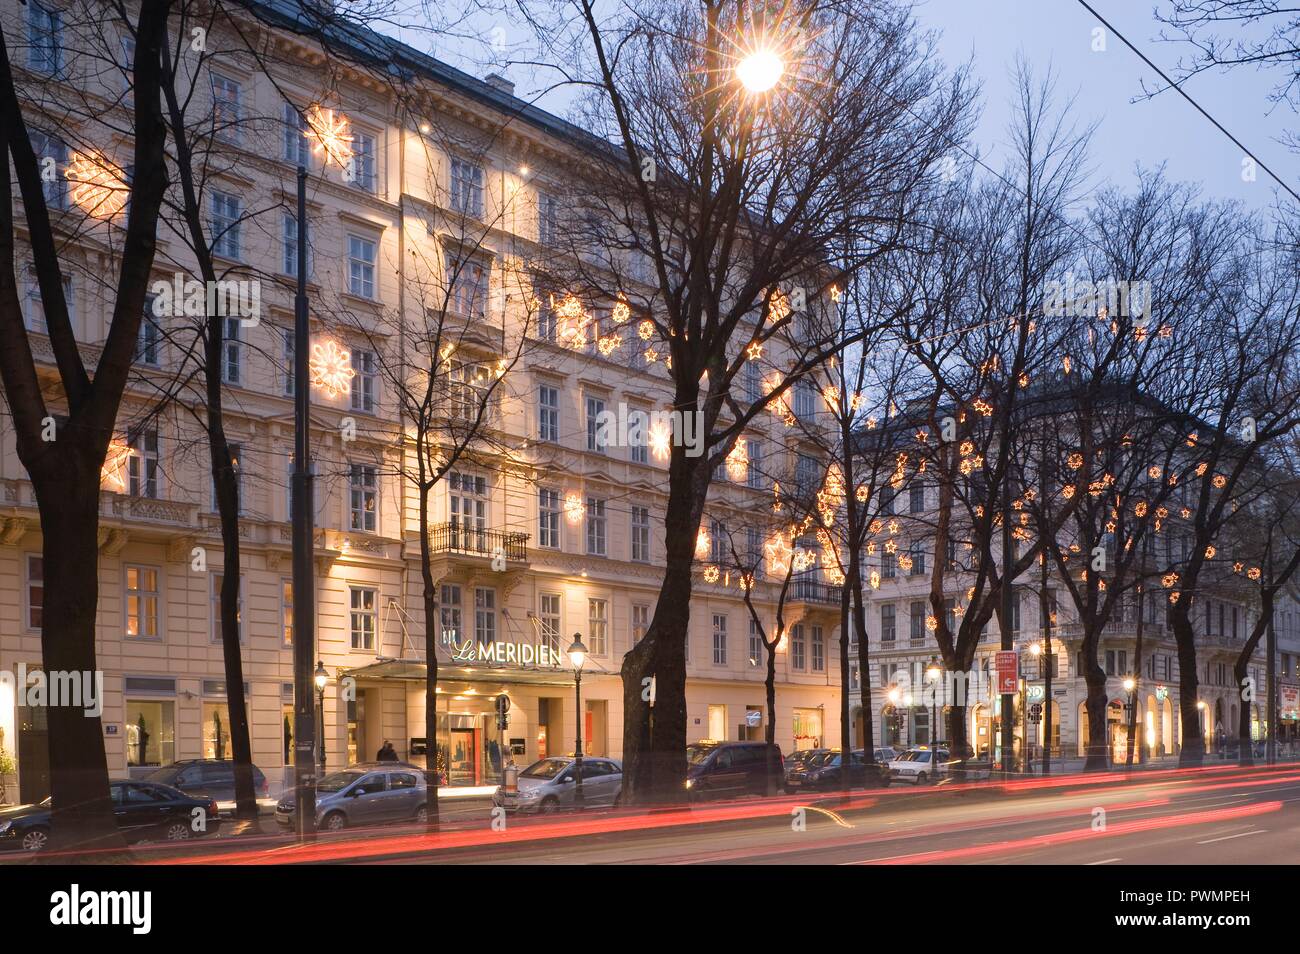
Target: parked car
column 551, row 784
column 206, row 778
column 801, row 762
column 720, row 769
column 919, row 765
column 363, row 795
column 145, row 811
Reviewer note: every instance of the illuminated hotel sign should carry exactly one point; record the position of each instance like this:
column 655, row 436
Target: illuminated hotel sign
column 518, row 654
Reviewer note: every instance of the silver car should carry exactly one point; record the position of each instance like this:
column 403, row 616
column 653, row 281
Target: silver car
column 551, row 784
column 361, row 796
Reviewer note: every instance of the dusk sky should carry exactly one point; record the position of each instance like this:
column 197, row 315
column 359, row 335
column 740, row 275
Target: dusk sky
column 1057, row 35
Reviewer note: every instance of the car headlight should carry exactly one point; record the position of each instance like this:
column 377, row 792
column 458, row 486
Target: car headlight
column 528, row 793
column 5, row 826
column 690, row 783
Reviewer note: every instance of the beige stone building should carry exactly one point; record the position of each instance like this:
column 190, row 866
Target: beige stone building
column 545, row 533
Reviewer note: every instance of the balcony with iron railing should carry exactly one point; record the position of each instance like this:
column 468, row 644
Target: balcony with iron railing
column 813, row 591
column 459, row 539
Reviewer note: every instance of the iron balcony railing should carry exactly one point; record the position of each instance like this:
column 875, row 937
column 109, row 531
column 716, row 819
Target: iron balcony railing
column 813, row 591
column 458, row 538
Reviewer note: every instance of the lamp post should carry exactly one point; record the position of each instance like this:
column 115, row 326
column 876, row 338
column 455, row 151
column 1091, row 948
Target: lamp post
column 1035, row 650
column 933, row 672
column 304, row 584
column 321, row 677
column 1130, row 686
column 895, row 696
column 577, row 656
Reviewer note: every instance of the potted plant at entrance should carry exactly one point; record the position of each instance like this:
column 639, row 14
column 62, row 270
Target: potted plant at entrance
column 142, row 740
column 7, row 768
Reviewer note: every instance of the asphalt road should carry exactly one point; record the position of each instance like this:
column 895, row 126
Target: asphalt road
column 1222, row 816
column 1219, row 815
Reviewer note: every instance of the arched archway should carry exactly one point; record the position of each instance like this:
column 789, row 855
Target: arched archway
column 1150, row 732
column 1167, row 727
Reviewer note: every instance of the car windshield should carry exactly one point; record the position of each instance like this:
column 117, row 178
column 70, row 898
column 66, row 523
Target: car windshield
column 545, row 768
column 164, row 774
column 699, row 754
column 337, row 781
column 822, row 758
column 919, row 756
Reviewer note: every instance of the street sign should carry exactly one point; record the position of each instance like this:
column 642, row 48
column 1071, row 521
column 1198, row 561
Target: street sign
column 503, row 705
column 1036, row 712
column 1008, row 666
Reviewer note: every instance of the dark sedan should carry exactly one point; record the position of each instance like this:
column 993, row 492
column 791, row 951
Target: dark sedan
column 827, row 773
column 145, row 811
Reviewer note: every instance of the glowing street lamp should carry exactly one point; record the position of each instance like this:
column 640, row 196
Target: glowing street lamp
column 577, row 656
column 760, row 70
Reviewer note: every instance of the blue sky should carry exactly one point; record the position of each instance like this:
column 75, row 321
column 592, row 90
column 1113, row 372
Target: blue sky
column 1057, row 35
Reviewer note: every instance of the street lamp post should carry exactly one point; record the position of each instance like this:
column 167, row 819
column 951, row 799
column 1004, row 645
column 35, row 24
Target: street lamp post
column 933, row 673
column 1130, row 686
column 1035, row 650
column 304, row 586
column 321, row 677
column 577, row 656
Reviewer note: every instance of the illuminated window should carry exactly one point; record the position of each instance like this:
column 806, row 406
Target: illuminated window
column 143, row 465
column 286, row 611
column 719, row 640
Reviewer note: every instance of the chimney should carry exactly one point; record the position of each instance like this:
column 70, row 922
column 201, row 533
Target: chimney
column 499, row 82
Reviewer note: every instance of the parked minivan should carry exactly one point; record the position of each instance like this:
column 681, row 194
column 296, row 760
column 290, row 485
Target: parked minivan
column 206, row 778
column 721, row 769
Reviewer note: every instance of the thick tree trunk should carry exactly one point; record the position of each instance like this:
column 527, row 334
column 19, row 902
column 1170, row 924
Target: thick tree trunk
column 1245, row 751
column 1096, row 756
column 654, row 736
column 227, row 488
column 1193, row 749
column 864, row 664
column 69, row 507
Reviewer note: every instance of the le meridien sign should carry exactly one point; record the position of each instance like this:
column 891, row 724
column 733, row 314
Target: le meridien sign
column 506, row 653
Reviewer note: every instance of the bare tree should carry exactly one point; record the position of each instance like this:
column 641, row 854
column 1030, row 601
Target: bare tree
column 738, row 201
column 63, row 447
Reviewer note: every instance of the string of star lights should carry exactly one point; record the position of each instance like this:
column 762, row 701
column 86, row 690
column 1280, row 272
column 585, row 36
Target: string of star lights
column 98, row 185
column 331, row 368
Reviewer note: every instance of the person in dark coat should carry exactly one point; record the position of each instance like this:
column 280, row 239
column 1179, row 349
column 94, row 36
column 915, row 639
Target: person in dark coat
column 387, row 753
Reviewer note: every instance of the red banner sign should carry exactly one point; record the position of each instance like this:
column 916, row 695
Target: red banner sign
column 1008, row 666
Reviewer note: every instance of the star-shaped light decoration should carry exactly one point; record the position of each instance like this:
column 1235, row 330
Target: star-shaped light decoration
column 113, row 472
column 777, row 553
column 754, row 350
column 331, row 369
column 330, row 135
column 98, row 185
